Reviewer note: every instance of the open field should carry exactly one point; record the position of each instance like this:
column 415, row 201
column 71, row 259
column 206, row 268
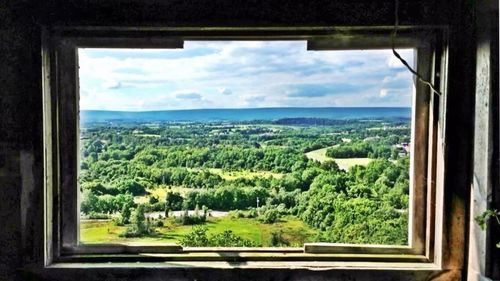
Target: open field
column 344, row 163
column 161, row 193
column 318, row 155
column 293, row 230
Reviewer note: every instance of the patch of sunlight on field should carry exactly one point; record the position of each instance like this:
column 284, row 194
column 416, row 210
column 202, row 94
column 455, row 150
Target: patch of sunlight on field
column 293, row 230
column 147, row 135
column 318, row 155
column 231, row 175
column 344, row 163
column 161, row 193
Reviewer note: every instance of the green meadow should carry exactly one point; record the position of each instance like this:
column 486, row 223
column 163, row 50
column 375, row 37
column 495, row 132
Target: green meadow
column 292, row 229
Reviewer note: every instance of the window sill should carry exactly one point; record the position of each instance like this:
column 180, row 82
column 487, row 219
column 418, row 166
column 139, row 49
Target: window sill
column 309, row 265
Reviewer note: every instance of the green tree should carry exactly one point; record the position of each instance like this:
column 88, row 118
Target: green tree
column 173, row 201
column 131, row 186
column 125, row 214
column 270, row 216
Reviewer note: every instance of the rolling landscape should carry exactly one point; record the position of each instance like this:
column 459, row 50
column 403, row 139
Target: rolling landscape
column 253, row 177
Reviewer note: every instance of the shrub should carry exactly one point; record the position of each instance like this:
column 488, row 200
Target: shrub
column 229, row 239
column 117, row 221
column 252, row 213
column 237, row 214
column 186, row 219
column 277, row 239
column 153, row 200
column 140, row 227
column 98, row 216
column 198, row 238
column 270, row 216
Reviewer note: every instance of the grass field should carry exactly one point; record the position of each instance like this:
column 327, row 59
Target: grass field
column 318, row 155
column 293, row 230
column 344, row 163
column 161, row 193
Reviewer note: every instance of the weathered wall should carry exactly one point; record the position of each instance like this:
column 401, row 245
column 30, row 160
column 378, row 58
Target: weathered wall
column 483, row 255
column 21, row 149
column 493, row 254
column 20, row 128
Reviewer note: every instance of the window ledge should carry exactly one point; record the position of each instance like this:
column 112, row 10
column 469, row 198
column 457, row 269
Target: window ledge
column 317, row 265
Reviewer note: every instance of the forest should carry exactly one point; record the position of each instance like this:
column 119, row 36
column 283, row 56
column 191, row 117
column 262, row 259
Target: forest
column 253, row 184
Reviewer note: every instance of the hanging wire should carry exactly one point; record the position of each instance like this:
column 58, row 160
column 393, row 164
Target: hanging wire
column 403, row 61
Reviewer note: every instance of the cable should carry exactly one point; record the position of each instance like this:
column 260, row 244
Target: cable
column 397, row 55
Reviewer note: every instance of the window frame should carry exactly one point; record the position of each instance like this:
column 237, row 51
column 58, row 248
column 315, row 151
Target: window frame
column 61, row 136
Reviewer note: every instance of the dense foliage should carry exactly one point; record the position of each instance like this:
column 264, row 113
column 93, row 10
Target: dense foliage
column 257, row 170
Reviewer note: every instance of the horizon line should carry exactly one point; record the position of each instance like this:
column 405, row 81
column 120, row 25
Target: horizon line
column 246, row 108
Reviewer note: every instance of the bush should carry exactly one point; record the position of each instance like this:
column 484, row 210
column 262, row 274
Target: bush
column 118, row 221
column 237, row 214
column 97, row 216
column 99, row 189
column 281, row 209
column 229, row 239
column 277, row 239
column 270, row 216
column 153, row 200
column 198, row 238
column 252, row 213
column 141, row 226
column 155, row 207
column 186, row 219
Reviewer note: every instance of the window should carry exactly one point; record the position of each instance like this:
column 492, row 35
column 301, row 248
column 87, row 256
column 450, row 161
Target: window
column 85, row 137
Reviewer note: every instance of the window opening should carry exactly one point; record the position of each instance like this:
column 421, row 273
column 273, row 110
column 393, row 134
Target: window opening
column 244, row 144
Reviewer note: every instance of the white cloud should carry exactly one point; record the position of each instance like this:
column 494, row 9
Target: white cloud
column 233, row 74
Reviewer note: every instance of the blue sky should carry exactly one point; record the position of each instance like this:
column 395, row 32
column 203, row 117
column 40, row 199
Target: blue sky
column 241, row 74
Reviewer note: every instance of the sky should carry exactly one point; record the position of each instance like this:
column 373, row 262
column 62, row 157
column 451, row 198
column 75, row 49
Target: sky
column 241, row 74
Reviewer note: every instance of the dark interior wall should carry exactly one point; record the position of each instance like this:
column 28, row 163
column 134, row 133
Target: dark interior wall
column 21, row 147
column 20, row 127
column 235, row 13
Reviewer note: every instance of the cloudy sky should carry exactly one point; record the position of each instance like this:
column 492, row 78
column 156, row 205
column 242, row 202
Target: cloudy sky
column 242, row 74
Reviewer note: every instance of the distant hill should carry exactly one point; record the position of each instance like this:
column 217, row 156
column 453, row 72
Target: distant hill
column 283, row 114
column 309, row 121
